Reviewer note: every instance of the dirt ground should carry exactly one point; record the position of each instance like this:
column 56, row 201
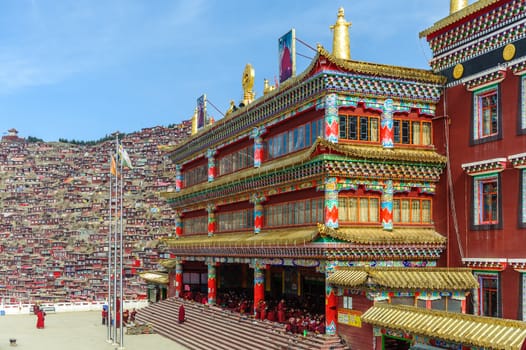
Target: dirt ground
column 72, row 330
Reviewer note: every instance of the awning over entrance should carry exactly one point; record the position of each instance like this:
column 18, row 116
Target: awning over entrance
column 156, row 277
column 478, row 331
column 377, row 235
column 405, row 277
column 283, row 237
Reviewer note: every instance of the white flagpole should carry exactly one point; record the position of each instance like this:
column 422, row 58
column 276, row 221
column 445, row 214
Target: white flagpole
column 115, row 306
column 121, row 342
column 109, row 309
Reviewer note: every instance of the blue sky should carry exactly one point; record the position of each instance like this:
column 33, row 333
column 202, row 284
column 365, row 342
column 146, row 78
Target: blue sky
column 82, row 69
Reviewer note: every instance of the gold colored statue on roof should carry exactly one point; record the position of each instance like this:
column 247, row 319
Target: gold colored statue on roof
column 247, row 81
column 341, row 42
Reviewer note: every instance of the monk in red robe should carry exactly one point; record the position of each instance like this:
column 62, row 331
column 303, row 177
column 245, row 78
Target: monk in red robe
column 181, row 313
column 40, row 319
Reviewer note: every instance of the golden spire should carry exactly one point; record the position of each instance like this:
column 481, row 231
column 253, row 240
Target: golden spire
column 247, row 81
column 194, row 122
column 341, row 43
column 457, row 5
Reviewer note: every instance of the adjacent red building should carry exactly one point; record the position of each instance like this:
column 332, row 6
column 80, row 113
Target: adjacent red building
column 480, row 126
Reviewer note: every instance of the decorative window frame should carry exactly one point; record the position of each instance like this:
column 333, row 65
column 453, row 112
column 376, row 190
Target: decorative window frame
column 521, row 120
column 518, row 161
column 479, row 275
column 475, row 137
column 476, row 222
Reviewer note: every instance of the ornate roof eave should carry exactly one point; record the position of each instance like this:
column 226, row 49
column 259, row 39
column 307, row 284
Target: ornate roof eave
column 383, row 70
column 157, row 277
column 456, row 16
column 319, row 148
column 380, row 153
column 477, row 331
column 405, row 278
column 379, row 236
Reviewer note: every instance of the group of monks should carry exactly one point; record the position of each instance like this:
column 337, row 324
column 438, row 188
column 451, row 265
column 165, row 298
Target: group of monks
column 293, row 313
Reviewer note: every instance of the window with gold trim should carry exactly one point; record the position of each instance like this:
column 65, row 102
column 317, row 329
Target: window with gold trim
column 359, row 128
column 359, row 209
column 412, row 210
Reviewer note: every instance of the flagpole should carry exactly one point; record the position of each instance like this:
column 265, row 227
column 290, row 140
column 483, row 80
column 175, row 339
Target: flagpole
column 115, row 306
column 121, row 265
column 109, row 309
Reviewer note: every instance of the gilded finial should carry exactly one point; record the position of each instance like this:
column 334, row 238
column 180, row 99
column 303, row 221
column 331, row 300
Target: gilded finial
column 457, row 5
column 267, row 87
column 341, row 42
column 247, row 81
column 231, row 109
column 194, row 122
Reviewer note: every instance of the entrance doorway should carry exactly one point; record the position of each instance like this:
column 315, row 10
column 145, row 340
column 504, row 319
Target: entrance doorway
column 394, row 343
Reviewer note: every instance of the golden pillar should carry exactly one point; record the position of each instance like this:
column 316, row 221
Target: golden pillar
column 457, row 5
column 341, row 42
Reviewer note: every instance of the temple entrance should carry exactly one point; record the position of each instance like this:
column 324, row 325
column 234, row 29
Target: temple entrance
column 195, row 278
column 394, row 343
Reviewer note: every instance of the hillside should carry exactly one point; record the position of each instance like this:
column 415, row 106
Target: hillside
column 54, row 215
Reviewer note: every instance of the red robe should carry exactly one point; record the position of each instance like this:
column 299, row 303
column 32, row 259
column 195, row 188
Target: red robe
column 181, row 313
column 40, row 319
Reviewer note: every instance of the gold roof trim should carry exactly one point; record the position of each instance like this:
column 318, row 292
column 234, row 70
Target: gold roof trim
column 168, row 263
column 454, row 17
column 384, row 70
column 406, row 277
column 478, row 331
column 379, row 236
column 378, row 152
column 155, row 277
column 293, row 236
column 266, row 167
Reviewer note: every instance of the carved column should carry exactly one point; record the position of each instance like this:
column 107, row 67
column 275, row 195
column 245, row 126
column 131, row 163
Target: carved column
column 178, row 224
column 387, row 206
column 210, row 153
column 179, row 279
column 257, row 134
column 178, row 178
column 387, row 133
column 212, row 287
column 258, row 212
column 331, row 202
column 332, row 122
column 259, row 284
column 210, row 208
column 331, row 303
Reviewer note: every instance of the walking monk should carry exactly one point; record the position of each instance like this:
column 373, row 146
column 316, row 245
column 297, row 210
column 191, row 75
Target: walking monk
column 181, row 313
column 40, row 318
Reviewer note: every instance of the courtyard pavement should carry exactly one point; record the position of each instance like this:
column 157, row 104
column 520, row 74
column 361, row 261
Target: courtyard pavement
column 72, row 330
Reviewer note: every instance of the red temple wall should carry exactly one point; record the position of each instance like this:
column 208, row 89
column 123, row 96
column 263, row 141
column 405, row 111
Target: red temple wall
column 501, row 243
column 357, row 337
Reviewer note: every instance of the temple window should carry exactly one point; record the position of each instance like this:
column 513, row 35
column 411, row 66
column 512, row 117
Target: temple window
column 522, row 112
column 308, row 211
column 296, row 139
column 359, row 128
column 235, row 220
column 196, row 175
column 522, row 214
column 486, row 115
column 236, row 161
column 412, row 210
column 412, row 132
column 489, row 300
column 359, row 209
column 195, row 225
column 486, row 201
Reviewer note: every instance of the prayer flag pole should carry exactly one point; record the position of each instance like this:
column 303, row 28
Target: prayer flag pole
column 121, row 294
column 115, row 305
column 109, row 309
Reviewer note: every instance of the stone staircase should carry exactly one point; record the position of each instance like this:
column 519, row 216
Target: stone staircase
column 210, row 327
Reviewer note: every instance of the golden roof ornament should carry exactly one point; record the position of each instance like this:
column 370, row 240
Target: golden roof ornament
column 267, row 87
column 457, row 5
column 341, row 42
column 247, row 81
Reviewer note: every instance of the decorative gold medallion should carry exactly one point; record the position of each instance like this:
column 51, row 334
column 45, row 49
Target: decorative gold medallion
column 509, row 52
column 458, row 71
